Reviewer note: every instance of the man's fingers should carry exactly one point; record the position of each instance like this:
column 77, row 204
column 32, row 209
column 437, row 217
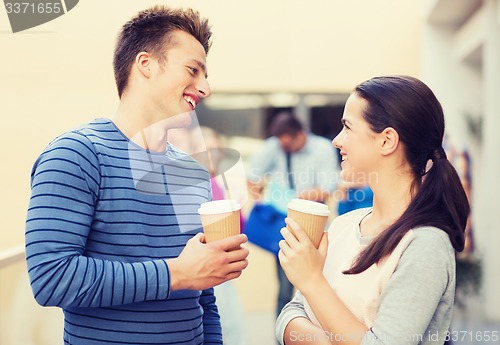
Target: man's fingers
column 233, row 275
column 230, row 243
column 237, row 266
column 233, row 270
column 237, row 254
column 199, row 237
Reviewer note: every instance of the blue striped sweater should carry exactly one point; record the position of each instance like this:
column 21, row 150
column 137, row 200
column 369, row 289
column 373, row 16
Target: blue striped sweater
column 103, row 215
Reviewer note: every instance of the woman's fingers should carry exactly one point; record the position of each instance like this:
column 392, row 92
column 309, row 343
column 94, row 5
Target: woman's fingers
column 298, row 232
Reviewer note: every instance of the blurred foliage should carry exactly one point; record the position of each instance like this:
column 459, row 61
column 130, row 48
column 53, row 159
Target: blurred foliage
column 469, row 277
column 474, row 124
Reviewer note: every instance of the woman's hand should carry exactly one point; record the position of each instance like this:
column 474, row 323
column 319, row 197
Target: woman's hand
column 301, row 261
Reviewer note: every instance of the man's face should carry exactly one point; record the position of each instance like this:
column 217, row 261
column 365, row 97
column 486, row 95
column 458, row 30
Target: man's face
column 292, row 143
column 180, row 82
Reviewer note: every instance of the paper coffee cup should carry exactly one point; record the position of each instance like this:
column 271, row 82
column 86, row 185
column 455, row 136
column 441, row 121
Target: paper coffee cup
column 311, row 216
column 220, row 219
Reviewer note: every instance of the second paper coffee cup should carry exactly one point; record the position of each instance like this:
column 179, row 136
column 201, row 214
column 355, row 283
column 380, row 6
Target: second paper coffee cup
column 311, row 216
column 220, row 219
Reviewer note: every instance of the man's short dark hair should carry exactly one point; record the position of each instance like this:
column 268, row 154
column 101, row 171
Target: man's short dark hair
column 151, row 31
column 285, row 123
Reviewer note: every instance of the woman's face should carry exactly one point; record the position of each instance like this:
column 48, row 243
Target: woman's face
column 357, row 143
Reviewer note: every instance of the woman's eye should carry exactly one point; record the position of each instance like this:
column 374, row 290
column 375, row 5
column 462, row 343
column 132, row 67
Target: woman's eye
column 193, row 70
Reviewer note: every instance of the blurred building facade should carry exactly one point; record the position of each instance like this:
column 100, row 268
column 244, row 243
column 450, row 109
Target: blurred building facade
column 461, row 63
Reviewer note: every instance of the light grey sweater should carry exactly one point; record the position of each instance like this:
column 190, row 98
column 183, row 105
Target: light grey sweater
column 415, row 306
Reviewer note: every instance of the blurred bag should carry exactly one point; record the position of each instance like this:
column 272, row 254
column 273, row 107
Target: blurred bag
column 263, row 227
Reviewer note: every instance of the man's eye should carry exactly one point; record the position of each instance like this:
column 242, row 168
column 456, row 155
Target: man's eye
column 346, row 126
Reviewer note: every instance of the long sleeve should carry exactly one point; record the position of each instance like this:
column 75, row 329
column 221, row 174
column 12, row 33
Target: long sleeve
column 292, row 310
column 65, row 187
column 416, row 305
column 211, row 319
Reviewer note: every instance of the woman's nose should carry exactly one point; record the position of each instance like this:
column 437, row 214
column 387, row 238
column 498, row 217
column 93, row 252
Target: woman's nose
column 336, row 141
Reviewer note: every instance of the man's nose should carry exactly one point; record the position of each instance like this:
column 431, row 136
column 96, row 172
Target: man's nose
column 203, row 88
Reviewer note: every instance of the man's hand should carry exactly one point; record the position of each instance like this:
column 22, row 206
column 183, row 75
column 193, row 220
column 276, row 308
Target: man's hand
column 201, row 266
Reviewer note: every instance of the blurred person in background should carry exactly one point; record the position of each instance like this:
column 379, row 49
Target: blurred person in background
column 122, row 255
column 386, row 274
column 293, row 163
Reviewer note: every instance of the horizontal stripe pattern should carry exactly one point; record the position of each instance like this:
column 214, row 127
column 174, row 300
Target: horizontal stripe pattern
column 103, row 216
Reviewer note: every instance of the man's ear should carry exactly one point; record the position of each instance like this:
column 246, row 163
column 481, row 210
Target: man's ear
column 143, row 63
column 389, row 140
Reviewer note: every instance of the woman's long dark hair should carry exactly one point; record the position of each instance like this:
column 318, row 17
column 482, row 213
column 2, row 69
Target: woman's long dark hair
column 411, row 108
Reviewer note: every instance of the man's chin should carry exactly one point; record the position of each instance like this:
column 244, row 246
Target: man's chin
column 181, row 120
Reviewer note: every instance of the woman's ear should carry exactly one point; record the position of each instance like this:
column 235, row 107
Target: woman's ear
column 389, row 139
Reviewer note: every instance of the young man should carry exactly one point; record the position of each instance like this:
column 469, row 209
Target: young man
column 112, row 232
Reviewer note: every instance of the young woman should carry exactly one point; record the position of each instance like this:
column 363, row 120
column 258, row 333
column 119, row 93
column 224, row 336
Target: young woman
column 386, row 274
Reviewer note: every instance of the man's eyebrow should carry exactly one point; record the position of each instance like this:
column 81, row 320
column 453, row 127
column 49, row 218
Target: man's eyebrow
column 201, row 65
